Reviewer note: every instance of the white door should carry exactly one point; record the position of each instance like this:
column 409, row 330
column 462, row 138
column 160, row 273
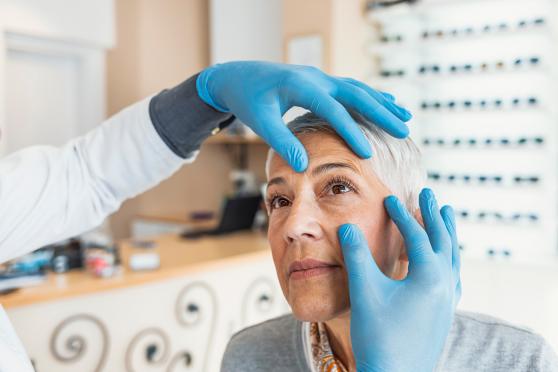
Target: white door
column 54, row 91
column 41, row 99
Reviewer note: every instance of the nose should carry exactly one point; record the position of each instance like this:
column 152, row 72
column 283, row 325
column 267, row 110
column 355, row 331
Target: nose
column 302, row 222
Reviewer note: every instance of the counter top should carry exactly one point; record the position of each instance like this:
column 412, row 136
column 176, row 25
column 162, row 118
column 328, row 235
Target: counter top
column 178, row 257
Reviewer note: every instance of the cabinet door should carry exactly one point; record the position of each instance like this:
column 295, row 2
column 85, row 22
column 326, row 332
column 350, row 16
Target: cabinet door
column 178, row 324
column 54, row 91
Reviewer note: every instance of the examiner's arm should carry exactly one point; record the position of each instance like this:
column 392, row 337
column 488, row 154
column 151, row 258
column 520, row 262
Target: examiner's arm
column 49, row 193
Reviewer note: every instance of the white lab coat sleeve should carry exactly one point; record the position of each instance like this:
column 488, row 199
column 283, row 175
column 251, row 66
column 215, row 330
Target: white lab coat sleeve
column 48, row 194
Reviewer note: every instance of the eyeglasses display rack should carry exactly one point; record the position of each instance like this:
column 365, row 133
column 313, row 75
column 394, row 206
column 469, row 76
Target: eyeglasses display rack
column 480, row 77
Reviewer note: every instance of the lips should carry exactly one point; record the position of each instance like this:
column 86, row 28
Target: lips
column 310, row 267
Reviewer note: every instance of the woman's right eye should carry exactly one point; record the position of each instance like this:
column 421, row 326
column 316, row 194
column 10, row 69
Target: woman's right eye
column 279, row 202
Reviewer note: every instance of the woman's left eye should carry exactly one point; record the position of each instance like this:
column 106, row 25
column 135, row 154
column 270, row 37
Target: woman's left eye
column 340, row 188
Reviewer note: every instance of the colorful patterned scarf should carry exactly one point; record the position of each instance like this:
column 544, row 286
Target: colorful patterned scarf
column 322, row 356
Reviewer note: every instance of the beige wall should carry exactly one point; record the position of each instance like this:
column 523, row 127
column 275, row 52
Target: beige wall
column 309, row 17
column 122, row 61
column 343, row 27
column 350, row 32
column 159, row 44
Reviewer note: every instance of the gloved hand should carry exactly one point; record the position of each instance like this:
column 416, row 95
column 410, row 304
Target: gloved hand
column 259, row 93
column 403, row 325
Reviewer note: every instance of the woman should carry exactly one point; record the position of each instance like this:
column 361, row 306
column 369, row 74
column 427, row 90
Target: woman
column 305, row 211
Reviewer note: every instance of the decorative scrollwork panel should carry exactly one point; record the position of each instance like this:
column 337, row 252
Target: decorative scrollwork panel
column 80, row 340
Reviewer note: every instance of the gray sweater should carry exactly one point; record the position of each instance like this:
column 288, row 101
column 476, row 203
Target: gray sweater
column 475, row 343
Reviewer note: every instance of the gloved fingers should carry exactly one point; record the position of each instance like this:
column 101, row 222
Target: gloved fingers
column 449, row 220
column 381, row 98
column 434, row 224
column 361, row 267
column 416, row 240
column 457, row 293
column 388, row 96
column 278, row 136
column 379, row 114
column 326, row 107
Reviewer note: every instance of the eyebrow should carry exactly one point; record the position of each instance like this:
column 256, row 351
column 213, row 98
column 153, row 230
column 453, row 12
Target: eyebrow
column 320, row 169
column 276, row 181
column 323, row 168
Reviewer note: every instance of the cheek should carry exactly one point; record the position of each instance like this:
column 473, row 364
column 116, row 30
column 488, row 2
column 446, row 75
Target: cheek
column 343, row 209
column 368, row 214
column 373, row 220
column 278, row 248
column 274, row 237
column 386, row 245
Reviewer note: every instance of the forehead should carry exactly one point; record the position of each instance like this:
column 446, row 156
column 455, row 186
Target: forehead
column 322, row 148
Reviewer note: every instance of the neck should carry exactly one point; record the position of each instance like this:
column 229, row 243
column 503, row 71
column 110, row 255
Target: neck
column 339, row 335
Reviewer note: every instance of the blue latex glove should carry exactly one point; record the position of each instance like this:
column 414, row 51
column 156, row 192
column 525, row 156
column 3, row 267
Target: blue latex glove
column 259, row 93
column 403, row 325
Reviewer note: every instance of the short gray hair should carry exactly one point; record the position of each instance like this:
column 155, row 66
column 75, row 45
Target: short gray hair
column 396, row 162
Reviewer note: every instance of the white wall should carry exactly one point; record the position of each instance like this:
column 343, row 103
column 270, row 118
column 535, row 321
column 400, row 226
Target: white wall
column 52, row 69
column 246, row 30
column 82, row 21
column 525, row 295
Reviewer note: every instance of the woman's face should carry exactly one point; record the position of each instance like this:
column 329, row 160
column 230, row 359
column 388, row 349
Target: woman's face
column 306, row 210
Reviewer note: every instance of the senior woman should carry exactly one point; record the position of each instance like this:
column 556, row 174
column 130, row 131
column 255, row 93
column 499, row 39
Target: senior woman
column 305, row 212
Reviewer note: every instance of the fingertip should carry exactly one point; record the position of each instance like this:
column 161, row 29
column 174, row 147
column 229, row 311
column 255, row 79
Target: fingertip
column 344, row 231
column 429, row 194
column 357, row 141
column 365, row 150
column 361, row 146
column 349, row 235
column 388, row 96
column 390, row 122
column 359, row 261
column 405, row 114
column 448, row 210
column 423, row 194
column 427, row 190
column 301, row 165
column 391, row 204
column 401, row 131
column 428, row 200
column 449, row 216
column 297, row 158
column 391, row 201
column 400, row 112
column 396, row 210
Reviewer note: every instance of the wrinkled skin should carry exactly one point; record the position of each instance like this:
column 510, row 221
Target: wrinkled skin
column 387, row 299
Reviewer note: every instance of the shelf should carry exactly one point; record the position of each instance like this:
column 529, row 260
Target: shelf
column 417, row 44
column 414, row 77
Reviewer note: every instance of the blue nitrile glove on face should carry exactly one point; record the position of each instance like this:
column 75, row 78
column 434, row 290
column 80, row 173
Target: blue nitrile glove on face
column 259, row 93
column 401, row 326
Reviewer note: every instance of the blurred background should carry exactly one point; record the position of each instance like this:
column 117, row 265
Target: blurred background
column 163, row 284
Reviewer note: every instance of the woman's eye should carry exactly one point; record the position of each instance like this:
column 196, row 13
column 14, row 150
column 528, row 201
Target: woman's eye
column 279, row 202
column 340, row 189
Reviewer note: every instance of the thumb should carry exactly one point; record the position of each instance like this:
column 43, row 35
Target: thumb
column 361, row 268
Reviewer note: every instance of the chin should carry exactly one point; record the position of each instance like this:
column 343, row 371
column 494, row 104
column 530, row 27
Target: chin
column 317, row 308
